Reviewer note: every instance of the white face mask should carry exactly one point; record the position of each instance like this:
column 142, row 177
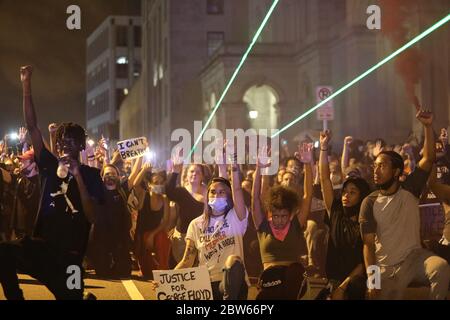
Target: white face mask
column 218, row 204
column 158, row 188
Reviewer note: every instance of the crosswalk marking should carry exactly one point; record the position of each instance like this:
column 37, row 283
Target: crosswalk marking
column 132, row 290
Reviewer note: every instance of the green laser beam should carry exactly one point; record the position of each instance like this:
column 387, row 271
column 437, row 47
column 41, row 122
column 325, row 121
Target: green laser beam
column 363, row 75
column 238, row 68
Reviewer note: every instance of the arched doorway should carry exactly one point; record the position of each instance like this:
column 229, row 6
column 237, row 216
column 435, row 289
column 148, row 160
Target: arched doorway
column 262, row 107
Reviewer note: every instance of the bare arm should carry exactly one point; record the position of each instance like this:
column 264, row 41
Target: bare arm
column 265, row 186
column 429, row 152
column 190, row 253
column 134, row 172
column 257, row 213
column 442, row 191
column 345, row 153
column 116, row 158
column 324, row 171
column 29, row 112
column 369, row 249
column 370, row 259
column 173, row 216
column 305, row 207
column 137, row 184
column 223, row 171
column 358, row 270
column 222, row 164
column 238, row 196
column 339, row 293
column 52, row 131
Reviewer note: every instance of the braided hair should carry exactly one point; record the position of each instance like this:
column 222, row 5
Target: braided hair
column 72, row 130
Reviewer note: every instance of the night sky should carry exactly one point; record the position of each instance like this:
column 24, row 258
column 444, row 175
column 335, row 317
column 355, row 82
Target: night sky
column 34, row 32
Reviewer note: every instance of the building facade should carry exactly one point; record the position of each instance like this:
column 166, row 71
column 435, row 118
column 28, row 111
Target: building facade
column 178, row 37
column 308, row 44
column 190, row 50
column 113, row 66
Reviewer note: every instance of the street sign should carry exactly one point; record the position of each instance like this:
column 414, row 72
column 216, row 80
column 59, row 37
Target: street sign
column 326, row 111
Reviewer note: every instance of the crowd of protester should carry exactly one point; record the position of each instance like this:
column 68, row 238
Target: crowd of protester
column 326, row 214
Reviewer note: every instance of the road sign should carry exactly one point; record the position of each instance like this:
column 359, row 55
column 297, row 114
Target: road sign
column 325, row 112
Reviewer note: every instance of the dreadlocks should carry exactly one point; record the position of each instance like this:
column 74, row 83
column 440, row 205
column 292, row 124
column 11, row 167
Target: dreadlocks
column 72, row 130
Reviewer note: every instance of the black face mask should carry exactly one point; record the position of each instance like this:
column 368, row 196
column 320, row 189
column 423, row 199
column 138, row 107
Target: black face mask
column 387, row 184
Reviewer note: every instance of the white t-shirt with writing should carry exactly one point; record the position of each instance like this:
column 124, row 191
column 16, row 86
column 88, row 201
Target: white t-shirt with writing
column 222, row 238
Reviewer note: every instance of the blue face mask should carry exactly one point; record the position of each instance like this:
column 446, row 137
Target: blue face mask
column 218, row 204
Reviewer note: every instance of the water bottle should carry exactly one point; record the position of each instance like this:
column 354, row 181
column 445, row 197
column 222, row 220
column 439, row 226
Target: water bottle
column 63, row 169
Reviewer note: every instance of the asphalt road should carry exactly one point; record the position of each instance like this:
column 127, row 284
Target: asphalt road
column 138, row 289
column 127, row 289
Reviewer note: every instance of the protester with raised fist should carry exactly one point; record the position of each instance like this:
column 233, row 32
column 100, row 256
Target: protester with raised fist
column 280, row 225
column 68, row 207
column 345, row 264
column 390, row 226
column 216, row 238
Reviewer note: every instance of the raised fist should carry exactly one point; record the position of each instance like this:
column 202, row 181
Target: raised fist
column 348, row 140
column 25, row 73
column 425, row 117
column 325, row 138
column 52, row 127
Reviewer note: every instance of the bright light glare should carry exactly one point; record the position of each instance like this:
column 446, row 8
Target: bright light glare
column 253, row 114
column 91, row 142
column 14, row 136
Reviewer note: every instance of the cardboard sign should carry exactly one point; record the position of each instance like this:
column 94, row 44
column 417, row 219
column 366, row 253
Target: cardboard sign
column 326, row 111
column 432, row 221
column 183, row 284
column 132, row 148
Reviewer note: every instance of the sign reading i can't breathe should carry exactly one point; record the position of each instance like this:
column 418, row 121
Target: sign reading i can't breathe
column 183, row 284
column 132, row 148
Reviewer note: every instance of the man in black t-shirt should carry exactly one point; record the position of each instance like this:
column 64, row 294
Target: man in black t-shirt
column 68, row 205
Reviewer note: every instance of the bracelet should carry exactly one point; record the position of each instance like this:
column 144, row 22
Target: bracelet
column 323, row 149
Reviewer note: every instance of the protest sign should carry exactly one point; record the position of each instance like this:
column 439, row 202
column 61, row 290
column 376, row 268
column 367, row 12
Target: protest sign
column 132, row 148
column 183, row 284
